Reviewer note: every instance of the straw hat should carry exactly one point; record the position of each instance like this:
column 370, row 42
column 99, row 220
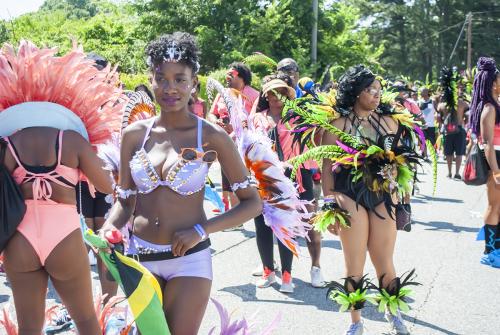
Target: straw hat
column 275, row 84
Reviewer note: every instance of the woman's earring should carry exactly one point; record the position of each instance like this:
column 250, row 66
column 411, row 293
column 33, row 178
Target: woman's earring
column 193, row 90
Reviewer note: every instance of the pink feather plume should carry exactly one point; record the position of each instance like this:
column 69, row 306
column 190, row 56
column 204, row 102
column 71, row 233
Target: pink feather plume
column 33, row 74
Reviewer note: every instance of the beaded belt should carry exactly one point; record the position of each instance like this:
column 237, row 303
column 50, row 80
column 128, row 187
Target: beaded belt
column 161, row 256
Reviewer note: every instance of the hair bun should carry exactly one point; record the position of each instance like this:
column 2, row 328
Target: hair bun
column 486, row 64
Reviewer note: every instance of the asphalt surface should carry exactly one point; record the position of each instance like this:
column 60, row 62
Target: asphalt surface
column 458, row 294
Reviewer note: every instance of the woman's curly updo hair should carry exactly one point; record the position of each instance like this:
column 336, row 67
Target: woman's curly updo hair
column 177, row 47
column 350, row 85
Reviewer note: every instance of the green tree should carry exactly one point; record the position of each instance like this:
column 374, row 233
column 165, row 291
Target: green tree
column 4, row 32
column 112, row 32
column 229, row 30
column 419, row 35
column 76, row 9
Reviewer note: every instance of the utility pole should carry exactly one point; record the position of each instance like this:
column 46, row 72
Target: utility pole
column 458, row 40
column 314, row 35
column 469, row 41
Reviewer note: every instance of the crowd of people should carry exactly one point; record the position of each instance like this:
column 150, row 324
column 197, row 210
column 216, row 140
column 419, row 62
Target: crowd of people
column 365, row 137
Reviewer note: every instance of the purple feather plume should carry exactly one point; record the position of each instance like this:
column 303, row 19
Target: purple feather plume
column 239, row 327
column 421, row 136
column 346, row 148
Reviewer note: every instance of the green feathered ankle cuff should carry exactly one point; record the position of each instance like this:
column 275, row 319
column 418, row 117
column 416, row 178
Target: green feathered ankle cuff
column 350, row 296
column 393, row 297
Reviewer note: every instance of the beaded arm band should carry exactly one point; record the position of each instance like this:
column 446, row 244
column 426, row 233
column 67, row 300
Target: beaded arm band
column 329, row 202
column 248, row 182
column 124, row 194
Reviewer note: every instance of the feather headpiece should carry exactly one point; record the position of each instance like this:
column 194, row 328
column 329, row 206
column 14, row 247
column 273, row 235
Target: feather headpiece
column 37, row 76
column 449, row 84
column 139, row 107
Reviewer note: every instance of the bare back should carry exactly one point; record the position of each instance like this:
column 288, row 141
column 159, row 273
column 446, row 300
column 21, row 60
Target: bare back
column 462, row 108
column 37, row 147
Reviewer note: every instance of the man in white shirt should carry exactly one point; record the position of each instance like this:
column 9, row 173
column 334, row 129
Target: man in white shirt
column 428, row 111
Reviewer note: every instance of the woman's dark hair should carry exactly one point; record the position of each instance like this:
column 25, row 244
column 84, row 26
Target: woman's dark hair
column 487, row 73
column 145, row 89
column 179, row 45
column 243, row 72
column 351, row 84
column 263, row 103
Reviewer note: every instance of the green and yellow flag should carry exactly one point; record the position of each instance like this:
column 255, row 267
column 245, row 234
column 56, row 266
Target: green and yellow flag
column 141, row 288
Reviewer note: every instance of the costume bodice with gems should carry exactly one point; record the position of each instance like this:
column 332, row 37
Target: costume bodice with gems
column 184, row 177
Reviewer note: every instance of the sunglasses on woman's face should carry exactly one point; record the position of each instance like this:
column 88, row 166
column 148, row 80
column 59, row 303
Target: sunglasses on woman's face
column 231, row 74
column 373, row 91
column 191, row 154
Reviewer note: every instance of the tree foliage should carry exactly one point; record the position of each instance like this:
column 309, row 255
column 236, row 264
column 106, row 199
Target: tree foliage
column 410, row 37
column 418, row 36
column 227, row 31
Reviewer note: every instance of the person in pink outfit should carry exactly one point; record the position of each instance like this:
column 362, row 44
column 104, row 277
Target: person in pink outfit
column 266, row 117
column 197, row 105
column 80, row 107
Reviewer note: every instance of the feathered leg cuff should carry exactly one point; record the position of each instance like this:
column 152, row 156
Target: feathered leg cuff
column 350, row 296
column 394, row 295
column 330, row 214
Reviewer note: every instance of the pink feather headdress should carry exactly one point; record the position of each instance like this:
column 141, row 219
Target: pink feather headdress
column 38, row 75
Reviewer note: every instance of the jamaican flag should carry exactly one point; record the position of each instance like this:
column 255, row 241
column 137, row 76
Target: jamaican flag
column 139, row 285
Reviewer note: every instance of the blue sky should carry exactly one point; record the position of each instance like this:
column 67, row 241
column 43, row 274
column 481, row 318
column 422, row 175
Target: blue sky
column 18, row 7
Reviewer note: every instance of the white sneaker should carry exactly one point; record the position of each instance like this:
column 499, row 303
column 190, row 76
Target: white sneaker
column 115, row 325
column 355, row 328
column 287, row 287
column 398, row 326
column 257, row 272
column 267, row 279
column 59, row 321
column 317, row 277
column 92, row 259
column 286, row 283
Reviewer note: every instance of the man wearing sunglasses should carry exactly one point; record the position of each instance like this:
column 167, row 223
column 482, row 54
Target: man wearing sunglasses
column 239, row 78
column 290, row 67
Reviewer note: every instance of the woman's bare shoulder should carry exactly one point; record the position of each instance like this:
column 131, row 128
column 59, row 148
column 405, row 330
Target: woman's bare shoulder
column 135, row 132
column 391, row 122
column 212, row 131
column 489, row 109
column 215, row 138
column 339, row 122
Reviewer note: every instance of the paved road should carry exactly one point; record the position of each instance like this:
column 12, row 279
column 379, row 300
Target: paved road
column 458, row 296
